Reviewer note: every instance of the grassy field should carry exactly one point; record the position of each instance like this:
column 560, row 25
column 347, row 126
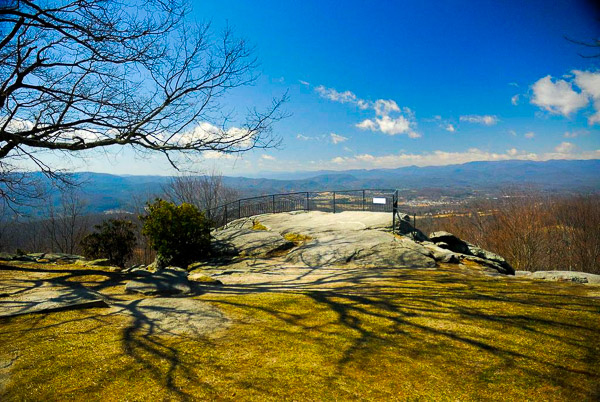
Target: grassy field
column 411, row 335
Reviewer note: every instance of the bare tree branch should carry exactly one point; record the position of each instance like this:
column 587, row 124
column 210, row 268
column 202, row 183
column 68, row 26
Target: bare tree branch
column 82, row 74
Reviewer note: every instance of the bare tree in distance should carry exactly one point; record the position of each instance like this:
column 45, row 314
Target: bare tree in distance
column 204, row 191
column 77, row 75
column 66, row 223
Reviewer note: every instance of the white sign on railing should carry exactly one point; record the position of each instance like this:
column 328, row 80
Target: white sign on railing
column 377, row 200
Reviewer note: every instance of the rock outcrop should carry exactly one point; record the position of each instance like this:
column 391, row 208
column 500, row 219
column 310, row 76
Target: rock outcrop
column 462, row 250
column 248, row 242
column 365, row 247
column 358, row 238
column 42, row 257
column 562, row 276
column 449, row 241
column 404, row 227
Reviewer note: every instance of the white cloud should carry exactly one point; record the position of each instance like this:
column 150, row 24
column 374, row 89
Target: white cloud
column 267, row 157
column 17, row 125
column 383, row 122
column 342, row 97
column 530, row 134
column 515, row 100
column 367, row 124
column 303, row 137
column 589, row 82
column 217, row 155
column 393, row 126
column 488, row 120
column 305, row 83
column 575, row 133
column 390, row 126
column 403, row 124
column 512, row 132
column 590, row 85
column 450, row 127
column 239, row 138
column 385, row 107
column 565, row 148
column 557, row 97
column 336, row 139
column 335, row 96
column 440, row 158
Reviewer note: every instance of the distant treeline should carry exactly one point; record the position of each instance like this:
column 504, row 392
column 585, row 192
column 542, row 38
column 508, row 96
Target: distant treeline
column 533, row 232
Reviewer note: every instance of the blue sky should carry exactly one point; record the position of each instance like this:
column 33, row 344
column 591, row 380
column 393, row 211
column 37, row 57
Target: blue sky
column 396, row 83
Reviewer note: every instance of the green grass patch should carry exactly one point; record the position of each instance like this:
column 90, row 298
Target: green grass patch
column 297, row 238
column 256, row 225
column 413, row 334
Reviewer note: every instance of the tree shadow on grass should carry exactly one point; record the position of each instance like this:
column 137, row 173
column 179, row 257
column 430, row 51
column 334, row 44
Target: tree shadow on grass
column 150, row 337
column 503, row 324
column 516, row 323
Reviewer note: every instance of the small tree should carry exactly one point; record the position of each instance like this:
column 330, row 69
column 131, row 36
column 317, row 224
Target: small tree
column 179, row 234
column 204, row 192
column 114, row 239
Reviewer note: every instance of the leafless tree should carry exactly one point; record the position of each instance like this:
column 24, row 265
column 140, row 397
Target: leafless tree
column 66, row 223
column 82, row 74
column 205, row 191
column 143, row 253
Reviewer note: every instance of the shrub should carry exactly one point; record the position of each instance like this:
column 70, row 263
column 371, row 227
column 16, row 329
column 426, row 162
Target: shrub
column 113, row 239
column 179, row 234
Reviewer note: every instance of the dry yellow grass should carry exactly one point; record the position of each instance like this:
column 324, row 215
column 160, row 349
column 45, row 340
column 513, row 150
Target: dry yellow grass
column 256, row 225
column 297, row 238
column 416, row 334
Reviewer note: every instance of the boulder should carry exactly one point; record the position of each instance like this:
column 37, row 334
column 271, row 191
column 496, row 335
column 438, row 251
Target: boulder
column 62, row 257
column 100, row 262
column 8, row 256
column 36, row 255
column 504, row 269
column 168, row 281
column 404, row 227
column 490, row 257
column 471, row 252
column 567, row 276
column 204, row 279
column 450, row 242
column 442, row 254
column 249, row 243
column 139, row 272
column 24, row 258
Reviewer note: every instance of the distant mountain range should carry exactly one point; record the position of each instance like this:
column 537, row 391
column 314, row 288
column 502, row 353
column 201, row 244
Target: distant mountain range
column 109, row 192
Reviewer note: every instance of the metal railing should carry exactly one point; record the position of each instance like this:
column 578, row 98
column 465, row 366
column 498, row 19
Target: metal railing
column 374, row 200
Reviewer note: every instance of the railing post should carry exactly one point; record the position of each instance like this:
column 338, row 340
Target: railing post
column 414, row 225
column 307, row 202
column 363, row 199
column 394, row 210
column 334, row 202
